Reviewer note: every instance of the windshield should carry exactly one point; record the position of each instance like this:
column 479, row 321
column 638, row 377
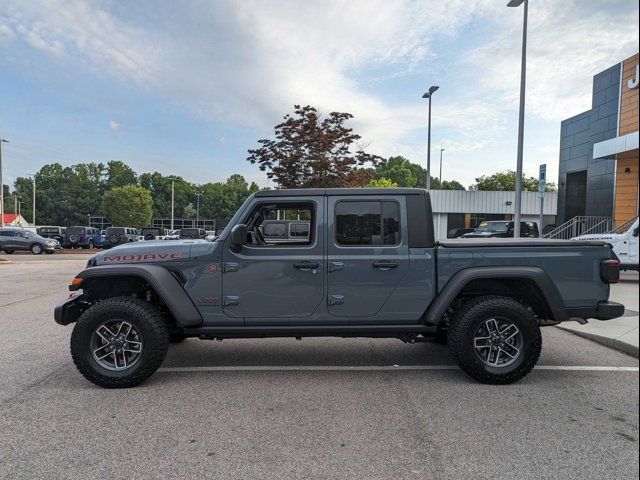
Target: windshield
column 493, row 227
column 116, row 230
column 152, row 231
column 48, row 230
column 72, row 230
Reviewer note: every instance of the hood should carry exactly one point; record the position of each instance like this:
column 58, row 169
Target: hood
column 604, row 237
column 155, row 251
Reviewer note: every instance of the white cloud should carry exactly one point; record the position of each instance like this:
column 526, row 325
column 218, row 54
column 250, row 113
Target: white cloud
column 114, row 126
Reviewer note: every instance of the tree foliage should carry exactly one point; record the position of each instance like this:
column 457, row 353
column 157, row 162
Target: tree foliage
column 128, row 206
column 506, row 181
column 403, row 173
column 311, row 151
column 68, row 195
column 381, row 183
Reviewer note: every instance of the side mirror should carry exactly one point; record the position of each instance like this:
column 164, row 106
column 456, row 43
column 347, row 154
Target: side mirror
column 238, row 237
column 635, row 232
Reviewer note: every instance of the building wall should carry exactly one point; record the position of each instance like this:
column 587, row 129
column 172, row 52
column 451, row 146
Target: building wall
column 577, row 136
column 629, row 98
column 626, row 206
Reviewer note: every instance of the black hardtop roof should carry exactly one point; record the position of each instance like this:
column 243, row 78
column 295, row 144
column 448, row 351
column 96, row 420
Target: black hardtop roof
column 339, row 192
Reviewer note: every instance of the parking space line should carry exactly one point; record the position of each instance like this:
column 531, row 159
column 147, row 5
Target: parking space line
column 362, row 368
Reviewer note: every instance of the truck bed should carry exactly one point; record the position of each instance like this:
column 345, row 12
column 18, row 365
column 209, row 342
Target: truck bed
column 516, row 242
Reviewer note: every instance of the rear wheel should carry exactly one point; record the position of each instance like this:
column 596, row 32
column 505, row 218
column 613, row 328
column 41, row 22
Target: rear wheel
column 119, row 342
column 495, row 339
column 9, row 252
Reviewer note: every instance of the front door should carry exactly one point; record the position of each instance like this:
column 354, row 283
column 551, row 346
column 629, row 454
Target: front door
column 367, row 254
column 272, row 282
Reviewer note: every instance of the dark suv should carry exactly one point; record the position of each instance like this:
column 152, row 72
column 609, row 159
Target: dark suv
column 503, row 229
column 118, row 235
column 81, row 237
column 52, row 232
column 192, row 233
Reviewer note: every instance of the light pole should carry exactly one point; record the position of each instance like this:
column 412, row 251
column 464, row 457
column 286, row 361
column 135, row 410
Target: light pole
column 523, row 77
column 441, row 150
column 428, row 95
column 33, row 212
column 2, row 140
column 173, row 192
column 198, row 208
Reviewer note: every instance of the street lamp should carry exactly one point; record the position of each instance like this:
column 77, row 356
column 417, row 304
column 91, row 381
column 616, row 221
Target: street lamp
column 441, row 150
column 33, row 213
column 523, row 76
column 428, row 95
column 2, row 140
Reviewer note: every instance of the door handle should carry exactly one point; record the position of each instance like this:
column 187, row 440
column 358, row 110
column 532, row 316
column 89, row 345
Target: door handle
column 306, row 265
column 384, row 264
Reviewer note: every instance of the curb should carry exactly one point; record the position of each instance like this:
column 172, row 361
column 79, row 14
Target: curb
column 613, row 343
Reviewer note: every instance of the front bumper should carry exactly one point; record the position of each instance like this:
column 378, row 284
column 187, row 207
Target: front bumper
column 69, row 310
column 602, row 311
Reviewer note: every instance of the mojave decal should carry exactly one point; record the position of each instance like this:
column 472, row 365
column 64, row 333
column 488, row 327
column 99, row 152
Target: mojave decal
column 141, row 257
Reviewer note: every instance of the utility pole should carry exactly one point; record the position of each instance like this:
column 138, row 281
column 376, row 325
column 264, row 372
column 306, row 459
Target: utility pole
column 428, row 95
column 441, row 187
column 173, row 193
column 198, row 208
column 523, row 77
column 33, row 213
column 2, row 140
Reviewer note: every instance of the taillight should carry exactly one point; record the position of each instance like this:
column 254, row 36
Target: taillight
column 610, row 271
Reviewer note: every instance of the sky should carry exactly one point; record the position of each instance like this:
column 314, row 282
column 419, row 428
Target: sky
column 186, row 88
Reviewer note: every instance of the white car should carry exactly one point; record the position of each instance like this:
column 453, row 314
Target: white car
column 623, row 241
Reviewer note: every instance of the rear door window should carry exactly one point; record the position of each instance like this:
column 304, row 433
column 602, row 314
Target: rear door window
column 368, row 223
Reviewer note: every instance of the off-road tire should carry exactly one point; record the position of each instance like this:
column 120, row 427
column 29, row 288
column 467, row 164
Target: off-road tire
column 177, row 337
column 144, row 317
column 462, row 329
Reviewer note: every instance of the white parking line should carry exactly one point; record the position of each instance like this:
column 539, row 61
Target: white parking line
column 361, row 368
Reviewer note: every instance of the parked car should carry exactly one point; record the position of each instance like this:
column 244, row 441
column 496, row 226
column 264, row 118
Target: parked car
column 370, row 267
column 503, row 229
column 153, row 233
column 623, row 241
column 286, row 231
column 192, row 233
column 18, row 239
column 115, row 236
column 458, row 232
column 52, row 232
column 82, row 237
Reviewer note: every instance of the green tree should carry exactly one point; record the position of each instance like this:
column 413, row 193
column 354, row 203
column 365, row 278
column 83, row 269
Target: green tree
column 119, row 174
column 401, row 171
column 128, row 206
column 505, row 181
column 381, row 183
column 311, row 151
column 189, row 211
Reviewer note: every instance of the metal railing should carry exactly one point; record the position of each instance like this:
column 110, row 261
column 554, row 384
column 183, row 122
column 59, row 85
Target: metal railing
column 581, row 225
column 623, row 227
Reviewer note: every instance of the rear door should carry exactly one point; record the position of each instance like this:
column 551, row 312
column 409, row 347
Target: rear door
column 368, row 254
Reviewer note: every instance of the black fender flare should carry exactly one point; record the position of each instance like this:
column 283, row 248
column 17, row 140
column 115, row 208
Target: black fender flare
column 163, row 282
column 453, row 287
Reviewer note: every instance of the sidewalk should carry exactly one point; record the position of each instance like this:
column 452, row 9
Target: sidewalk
column 620, row 333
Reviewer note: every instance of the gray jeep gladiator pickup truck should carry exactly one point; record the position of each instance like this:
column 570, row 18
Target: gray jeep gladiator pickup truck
column 369, row 267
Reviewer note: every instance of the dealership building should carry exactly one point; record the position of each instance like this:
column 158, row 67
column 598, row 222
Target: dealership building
column 598, row 173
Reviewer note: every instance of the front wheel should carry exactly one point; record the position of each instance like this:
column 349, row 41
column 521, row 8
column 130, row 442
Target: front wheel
column 119, row 342
column 36, row 249
column 495, row 339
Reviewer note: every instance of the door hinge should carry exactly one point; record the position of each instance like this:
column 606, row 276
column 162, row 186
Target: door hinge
column 230, row 300
column 231, row 267
column 336, row 300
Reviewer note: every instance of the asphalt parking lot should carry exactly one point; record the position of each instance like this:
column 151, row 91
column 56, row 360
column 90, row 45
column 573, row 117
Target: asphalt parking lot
column 319, row 408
